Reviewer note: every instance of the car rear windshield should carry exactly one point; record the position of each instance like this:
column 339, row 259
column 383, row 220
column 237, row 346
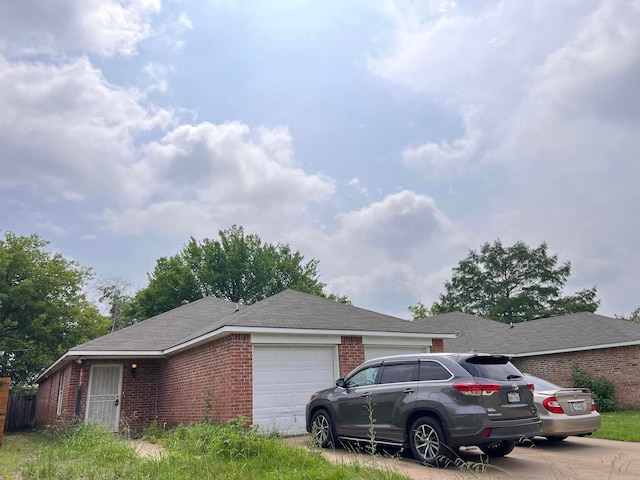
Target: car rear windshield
column 493, row 367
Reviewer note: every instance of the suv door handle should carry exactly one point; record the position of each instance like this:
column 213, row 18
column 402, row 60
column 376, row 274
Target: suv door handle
column 408, row 390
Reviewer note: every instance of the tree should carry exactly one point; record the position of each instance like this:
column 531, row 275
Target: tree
column 113, row 292
column 512, row 284
column 43, row 308
column 633, row 317
column 237, row 267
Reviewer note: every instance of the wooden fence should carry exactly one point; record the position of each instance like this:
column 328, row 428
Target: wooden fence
column 21, row 413
column 4, row 396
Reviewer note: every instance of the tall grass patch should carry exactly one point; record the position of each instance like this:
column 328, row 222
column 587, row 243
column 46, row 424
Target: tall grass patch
column 203, row 451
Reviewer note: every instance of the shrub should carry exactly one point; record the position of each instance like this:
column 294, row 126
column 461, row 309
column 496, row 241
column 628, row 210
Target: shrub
column 601, row 388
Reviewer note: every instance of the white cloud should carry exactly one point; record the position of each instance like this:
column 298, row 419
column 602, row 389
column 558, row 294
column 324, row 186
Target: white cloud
column 557, row 114
column 396, row 225
column 355, row 183
column 199, row 177
column 103, row 27
column 65, row 129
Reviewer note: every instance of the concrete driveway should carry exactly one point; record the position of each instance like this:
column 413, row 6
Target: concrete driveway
column 575, row 458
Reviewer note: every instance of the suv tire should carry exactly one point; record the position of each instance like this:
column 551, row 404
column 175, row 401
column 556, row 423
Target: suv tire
column 322, row 431
column 498, row 449
column 428, row 442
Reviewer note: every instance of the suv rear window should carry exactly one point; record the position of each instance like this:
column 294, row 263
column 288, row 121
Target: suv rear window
column 493, row 367
column 430, row 370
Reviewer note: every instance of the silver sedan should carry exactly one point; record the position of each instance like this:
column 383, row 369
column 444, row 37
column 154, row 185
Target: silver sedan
column 564, row 411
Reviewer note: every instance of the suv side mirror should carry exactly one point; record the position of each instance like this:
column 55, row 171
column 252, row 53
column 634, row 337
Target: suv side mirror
column 341, row 383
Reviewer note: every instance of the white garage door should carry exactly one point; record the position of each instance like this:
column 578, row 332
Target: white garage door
column 284, row 377
column 375, row 351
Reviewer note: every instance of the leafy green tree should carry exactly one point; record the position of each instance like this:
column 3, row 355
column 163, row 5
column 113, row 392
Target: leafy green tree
column 171, row 283
column 512, row 284
column 43, row 307
column 237, row 267
column 633, row 317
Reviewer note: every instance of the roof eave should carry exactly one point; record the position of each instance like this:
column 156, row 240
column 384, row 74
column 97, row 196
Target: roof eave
column 226, row 330
column 101, row 354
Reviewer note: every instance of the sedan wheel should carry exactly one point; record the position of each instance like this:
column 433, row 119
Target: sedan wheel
column 428, row 443
column 322, row 433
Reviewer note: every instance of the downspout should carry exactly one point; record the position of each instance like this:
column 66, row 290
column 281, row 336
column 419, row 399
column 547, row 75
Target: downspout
column 76, row 413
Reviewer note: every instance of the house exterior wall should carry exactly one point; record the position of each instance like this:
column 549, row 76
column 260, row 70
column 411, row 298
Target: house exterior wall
column 212, row 381
column 47, row 397
column 350, row 354
column 620, row 365
column 137, row 401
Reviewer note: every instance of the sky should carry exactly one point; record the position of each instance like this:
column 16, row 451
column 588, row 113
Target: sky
column 386, row 139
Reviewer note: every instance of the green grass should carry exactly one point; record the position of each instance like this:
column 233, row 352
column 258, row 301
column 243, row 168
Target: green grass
column 202, row 451
column 624, row 425
column 15, row 450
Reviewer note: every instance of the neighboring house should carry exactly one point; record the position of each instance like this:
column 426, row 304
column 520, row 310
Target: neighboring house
column 549, row 347
column 211, row 359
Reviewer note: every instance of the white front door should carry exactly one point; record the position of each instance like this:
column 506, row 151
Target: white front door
column 284, row 377
column 103, row 396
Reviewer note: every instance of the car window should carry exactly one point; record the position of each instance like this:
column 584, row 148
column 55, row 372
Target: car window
column 366, row 376
column 402, row 372
column 430, row 370
column 541, row 384
column 493, row 367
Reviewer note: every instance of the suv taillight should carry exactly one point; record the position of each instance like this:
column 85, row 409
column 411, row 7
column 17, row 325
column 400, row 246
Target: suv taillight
column 476, row 388
column 552, row 404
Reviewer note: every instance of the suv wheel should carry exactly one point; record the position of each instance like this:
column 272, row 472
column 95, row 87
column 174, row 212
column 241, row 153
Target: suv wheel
column 428, row 444
column 321, row 431
column 498, row 449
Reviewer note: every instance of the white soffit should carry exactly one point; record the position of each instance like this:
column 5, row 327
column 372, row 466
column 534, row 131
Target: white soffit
column 276, row 339
column 397, row 341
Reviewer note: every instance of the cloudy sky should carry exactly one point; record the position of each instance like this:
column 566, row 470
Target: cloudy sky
column 384, row 138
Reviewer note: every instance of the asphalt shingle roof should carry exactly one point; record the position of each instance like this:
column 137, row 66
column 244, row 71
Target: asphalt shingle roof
column 289, row 309
column 164, row 330
column 576, row 331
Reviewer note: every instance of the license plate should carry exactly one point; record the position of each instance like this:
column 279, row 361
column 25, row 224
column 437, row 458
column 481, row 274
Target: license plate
column 513, row 397
column 578, row 407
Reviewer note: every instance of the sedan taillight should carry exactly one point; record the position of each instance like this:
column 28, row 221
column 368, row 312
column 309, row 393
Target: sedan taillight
column 593, row 404
column 476, row 388
column 552, row 404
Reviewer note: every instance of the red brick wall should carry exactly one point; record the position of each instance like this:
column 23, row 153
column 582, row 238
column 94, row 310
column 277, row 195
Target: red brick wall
column 47, row 397
column 213, row 380
column 138, row 406
column 620, row 365
column 137, row 402
column 350, row 354
column 437, row 345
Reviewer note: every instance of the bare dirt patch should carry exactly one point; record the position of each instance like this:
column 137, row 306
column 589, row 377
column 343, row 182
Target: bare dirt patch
column 146, row 449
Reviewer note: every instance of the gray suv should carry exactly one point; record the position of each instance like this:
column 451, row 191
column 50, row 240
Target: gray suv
column 430, row 403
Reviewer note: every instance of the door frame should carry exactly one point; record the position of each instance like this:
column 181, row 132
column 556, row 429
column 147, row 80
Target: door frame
column 119, row 394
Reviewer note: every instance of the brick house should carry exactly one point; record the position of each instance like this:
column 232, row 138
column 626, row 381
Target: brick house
column 549, row 347
column 211, row 359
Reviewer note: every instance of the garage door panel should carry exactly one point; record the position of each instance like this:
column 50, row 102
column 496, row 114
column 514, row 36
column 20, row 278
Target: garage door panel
column 284, row 377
